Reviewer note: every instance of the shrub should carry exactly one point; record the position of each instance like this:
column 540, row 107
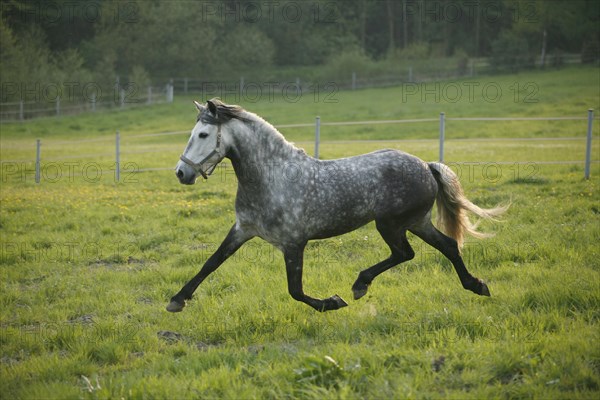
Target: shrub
column 341, row 66
column 510, row 52
column 590, row 51
column 414, row 51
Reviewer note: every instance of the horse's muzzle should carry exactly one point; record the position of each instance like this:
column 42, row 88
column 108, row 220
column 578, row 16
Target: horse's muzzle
column 185, row 179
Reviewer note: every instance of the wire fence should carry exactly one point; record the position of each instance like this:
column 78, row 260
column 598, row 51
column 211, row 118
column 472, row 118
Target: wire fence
column 68, row 98
column 125, row 146
column 403, row 71
column 59, row 103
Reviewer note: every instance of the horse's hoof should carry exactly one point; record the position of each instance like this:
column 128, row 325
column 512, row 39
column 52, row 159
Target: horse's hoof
column 359, row 290
column 339, row 302
column 333, row 303
column 175, row 306
column 358, row 293
column 484, row 290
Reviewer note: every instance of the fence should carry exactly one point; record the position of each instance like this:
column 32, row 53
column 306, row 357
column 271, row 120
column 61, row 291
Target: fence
column 393, row 75
column 56, row 105
column 244, row 88
column 318, row 124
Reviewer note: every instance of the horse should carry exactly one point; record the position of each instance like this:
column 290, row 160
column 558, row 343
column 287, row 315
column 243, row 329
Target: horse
column 288, row 198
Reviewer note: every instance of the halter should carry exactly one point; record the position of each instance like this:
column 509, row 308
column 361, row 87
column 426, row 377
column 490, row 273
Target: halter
column 198, row 166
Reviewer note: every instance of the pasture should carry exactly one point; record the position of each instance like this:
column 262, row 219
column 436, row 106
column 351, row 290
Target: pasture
column 88, row 264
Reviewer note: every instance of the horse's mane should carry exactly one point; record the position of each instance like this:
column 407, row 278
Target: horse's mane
column 227, row 112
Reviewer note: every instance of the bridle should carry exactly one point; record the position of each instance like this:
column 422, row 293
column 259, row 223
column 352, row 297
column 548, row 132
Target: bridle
column 198, row 166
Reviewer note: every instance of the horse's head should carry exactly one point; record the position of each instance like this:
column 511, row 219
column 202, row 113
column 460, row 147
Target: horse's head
column 205, row 148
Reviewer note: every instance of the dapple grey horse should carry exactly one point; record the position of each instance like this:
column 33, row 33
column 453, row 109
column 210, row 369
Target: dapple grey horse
column 287, row 198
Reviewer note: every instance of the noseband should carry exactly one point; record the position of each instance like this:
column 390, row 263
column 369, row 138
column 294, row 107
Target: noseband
column 198, row 166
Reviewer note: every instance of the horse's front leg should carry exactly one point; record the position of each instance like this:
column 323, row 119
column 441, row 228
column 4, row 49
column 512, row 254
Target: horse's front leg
column 234, row 240
column 294, row 257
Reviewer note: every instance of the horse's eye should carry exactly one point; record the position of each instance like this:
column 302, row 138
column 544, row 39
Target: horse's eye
column 202, row 135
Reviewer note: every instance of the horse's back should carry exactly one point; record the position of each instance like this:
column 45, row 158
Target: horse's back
column 386, row 169
column 350, row 192
column 402, row 181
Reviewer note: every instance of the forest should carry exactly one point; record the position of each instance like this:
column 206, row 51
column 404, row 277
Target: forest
column 149, row 42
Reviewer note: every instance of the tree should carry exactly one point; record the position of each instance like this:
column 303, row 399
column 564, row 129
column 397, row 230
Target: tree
column 510, row 52
column 558, row 25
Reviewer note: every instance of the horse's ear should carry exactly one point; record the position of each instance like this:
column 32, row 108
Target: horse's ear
column 212, row 107
column 199, row 106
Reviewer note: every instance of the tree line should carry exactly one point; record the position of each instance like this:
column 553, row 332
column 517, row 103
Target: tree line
column 148, row 42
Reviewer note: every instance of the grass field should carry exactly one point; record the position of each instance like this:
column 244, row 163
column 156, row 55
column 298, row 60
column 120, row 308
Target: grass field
column 87, row 265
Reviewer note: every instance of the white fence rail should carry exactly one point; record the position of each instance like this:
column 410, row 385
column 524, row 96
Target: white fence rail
column 587, row 159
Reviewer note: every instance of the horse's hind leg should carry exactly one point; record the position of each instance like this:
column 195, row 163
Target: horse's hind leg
column 395, row 238
column 449, row 248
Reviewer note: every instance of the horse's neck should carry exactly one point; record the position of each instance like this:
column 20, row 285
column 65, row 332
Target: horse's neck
column 263, row 153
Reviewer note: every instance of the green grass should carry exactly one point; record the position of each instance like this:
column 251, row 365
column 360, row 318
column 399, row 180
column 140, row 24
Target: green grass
column 88, row 265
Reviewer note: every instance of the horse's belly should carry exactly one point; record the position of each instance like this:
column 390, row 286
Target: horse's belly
column 337, row 221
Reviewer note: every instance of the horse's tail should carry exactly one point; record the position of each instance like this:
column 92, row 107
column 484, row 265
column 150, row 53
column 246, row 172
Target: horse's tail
column 453, row 205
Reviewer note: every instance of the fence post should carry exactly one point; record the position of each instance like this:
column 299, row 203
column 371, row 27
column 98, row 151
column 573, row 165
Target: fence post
column 57, row 106
column 588, row 146
column 410, row 76
column 118, row 157
column 185, row 85
column 149, row 101
column 241, row 86
column 353, row 80
column 94, row 102
column 38, row 151
column 169, row 93
column 442, row 134
column 21, row 110
column 317, row 135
